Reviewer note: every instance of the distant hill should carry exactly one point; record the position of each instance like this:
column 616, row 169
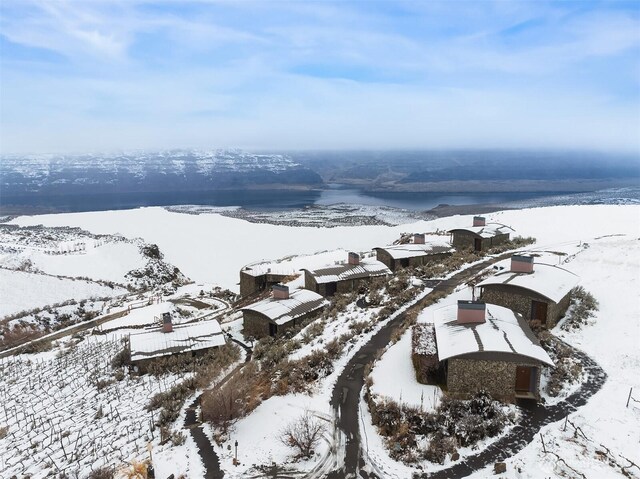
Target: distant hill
column 169, row 171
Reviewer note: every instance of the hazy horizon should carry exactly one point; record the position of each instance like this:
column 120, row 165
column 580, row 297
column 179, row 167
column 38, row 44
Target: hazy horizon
column 289, row 76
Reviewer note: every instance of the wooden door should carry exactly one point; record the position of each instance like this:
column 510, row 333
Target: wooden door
column 477, row 244
column 539, row 311
column 523, row 378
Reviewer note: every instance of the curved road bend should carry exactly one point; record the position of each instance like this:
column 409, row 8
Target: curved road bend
column 346, row 393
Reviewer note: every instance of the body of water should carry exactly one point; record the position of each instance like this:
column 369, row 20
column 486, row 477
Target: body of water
column 269, row 200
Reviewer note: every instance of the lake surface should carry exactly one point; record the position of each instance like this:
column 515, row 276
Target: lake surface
column 261, row 200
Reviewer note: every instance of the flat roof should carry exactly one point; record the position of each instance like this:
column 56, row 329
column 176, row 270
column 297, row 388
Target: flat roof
column 281, row 311
column 414, row 250
column 550, row 281
column 367, row 268
column 503, row 332
column 183, row 338
column 488, row 231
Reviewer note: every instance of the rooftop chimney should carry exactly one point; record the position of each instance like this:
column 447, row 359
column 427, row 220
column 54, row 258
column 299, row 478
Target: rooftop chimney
column 280, row 291
column 354, row 258
column 521, row 264
column 479, row 221
column 167, row 325
column 471, row 312
column 418, row 238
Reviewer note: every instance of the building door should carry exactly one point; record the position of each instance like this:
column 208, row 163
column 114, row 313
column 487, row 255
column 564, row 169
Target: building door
column 331, row 288
column 477, row 244
column 404, row 262
column 273, row 329
column 523, row 379
column 539, row 311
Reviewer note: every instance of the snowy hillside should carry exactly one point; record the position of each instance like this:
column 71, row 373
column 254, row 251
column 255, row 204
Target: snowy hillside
column 174, row 170
column 21, row 291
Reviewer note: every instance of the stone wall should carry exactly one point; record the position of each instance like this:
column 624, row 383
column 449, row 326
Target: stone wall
column 255, row 324
column 253, row 284
column 248, row 284
column 468, row 376
column 519, row 300
column 463, row 239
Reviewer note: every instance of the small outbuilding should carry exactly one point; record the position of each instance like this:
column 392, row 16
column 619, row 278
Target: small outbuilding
column 346, row 277
column 189, row 339
column 540, row 292
column 259, row 277
column 488, row 347
column 417, row 253
column 481, row 235
column 281, row 311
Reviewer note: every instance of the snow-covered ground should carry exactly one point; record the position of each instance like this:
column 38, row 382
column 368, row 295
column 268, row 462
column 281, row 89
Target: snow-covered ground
column 213, row 248
column 20, row 291
column 394, row 377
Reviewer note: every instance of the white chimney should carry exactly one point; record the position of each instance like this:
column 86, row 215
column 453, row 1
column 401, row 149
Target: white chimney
column 280, row 291
column 479, row 221
column 354, row 259
column 521, row 264
column 471, row 312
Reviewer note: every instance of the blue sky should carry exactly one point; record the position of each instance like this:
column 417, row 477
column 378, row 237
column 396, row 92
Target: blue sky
column 124, row 74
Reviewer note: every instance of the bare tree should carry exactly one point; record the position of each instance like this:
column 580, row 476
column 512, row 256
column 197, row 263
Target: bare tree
column 303, row 434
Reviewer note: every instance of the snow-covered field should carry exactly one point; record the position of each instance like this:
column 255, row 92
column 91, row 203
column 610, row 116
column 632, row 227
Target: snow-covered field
column 213, row 248
column 21, row 291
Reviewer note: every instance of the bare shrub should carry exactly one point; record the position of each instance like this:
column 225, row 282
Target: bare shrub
column 581, row 309
column 102, row 473
column 240, row 395
column 303, row 434
column 122, row 358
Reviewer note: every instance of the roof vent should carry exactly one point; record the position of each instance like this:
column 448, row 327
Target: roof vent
column 479, row 221
column 521, row 264
column 471, row 312
column 354, row 259
column 280, row 291
column 167, row 325
column 418, row 238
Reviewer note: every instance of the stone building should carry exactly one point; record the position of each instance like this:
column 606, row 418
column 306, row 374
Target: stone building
column 488, row 347
column 258, row 277
column 346, row 277
column 174, row 339
column 281, row 311
column 481, row 235
column 417, row 253
column 540, row 292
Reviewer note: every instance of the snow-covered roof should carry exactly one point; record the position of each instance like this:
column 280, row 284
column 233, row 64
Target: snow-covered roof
column 488, row 231
column 503, row 332
column 366, row 269
column 281, row 311
column 412, row 250
column 183, row 338
column 548, row 280
column 258, row 269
